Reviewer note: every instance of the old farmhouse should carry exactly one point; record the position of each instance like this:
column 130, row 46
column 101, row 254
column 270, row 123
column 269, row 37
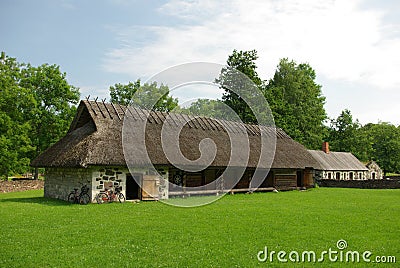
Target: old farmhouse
column 338, row 165
column 92, row 153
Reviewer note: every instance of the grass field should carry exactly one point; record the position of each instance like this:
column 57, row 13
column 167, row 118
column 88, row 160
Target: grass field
column 39, row 232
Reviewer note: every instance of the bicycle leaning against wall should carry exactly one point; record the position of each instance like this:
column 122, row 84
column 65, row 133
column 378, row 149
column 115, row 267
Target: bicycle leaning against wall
column 110, row 195
column 82, row 198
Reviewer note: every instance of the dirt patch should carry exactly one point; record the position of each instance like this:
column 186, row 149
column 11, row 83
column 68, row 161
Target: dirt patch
column 20, row 185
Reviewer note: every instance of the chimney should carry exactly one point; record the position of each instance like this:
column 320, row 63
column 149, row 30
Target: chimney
column 325, row 147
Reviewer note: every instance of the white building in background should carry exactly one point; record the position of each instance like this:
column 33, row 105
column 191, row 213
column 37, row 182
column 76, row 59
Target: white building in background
column 374, row 171
column 339, row 165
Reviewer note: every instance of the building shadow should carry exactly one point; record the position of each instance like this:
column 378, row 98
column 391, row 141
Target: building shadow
column 36, row 200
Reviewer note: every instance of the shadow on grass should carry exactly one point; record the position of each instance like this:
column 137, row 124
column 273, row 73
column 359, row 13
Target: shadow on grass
column 36, row 200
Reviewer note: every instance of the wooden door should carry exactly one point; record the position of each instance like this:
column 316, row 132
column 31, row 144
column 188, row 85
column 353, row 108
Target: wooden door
column 150, row 186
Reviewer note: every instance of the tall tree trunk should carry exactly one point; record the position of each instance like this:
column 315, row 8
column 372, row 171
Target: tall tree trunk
column 36, row 175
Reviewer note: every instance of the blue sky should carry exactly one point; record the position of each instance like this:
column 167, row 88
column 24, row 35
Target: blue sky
column 354, row 46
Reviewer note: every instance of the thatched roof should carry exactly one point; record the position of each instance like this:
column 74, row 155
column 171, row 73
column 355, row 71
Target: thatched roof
column 340, row 161
column 95, row 138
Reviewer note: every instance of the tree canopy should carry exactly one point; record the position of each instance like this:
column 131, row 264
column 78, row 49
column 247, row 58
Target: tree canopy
column 348, row 135
column 55, row 104
column 297, row 102
column 37, row 106
column 379, row 142
column 295, row 99
column 210, row 108
column 240, row 64
column 15, row 106
column 342, row 134
column 148, row 96
column 385, row 145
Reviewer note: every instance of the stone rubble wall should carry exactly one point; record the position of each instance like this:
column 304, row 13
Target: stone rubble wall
column 104, row 178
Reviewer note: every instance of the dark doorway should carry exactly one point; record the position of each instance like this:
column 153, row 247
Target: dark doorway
column 133, row 189
column 300, row 178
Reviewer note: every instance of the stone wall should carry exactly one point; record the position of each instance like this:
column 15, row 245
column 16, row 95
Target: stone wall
column 104, row 178
column 393, row 177
column 59, row 182
column 365, row 184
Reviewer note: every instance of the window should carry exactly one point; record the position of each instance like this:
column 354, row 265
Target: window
column 338, row 175
column 329, row 175
column 351, row 176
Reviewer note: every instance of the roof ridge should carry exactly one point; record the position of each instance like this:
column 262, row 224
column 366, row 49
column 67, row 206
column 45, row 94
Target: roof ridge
column 100, row 111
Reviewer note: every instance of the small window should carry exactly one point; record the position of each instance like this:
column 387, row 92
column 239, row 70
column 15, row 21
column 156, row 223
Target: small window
column 351, row 176
column 373, row 175
column 329, row 176
column 338, row 175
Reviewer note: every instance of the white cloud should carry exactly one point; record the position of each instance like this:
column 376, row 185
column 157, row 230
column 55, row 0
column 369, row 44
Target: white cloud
column 193, row 10
column 340, row 40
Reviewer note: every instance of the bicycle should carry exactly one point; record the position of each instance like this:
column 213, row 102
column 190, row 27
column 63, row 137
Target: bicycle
column 109, row 196
column 82, row 198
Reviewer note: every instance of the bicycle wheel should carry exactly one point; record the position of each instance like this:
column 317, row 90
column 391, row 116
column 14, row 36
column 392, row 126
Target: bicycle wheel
column 102, row 198
column 121, row 198
column 71, row 198
column 84, row 199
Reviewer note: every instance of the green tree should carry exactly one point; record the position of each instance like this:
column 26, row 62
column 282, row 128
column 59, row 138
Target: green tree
column 16, row 104
column 202, row 107
column 210, row 108
column 148, row 96
column 123, row 94
column 379, row 142
column 364, row 150
column 36, row 108
column 342, row 132
column 347, row 135
column 230, row 78
column 386, row 145
column 55, row 105
column 297, row 102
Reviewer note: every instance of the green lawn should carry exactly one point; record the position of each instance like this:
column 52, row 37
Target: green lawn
column 39, row 232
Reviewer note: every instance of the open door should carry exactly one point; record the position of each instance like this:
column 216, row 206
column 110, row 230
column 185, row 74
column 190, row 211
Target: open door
column 300, row 178
column 133, row 186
